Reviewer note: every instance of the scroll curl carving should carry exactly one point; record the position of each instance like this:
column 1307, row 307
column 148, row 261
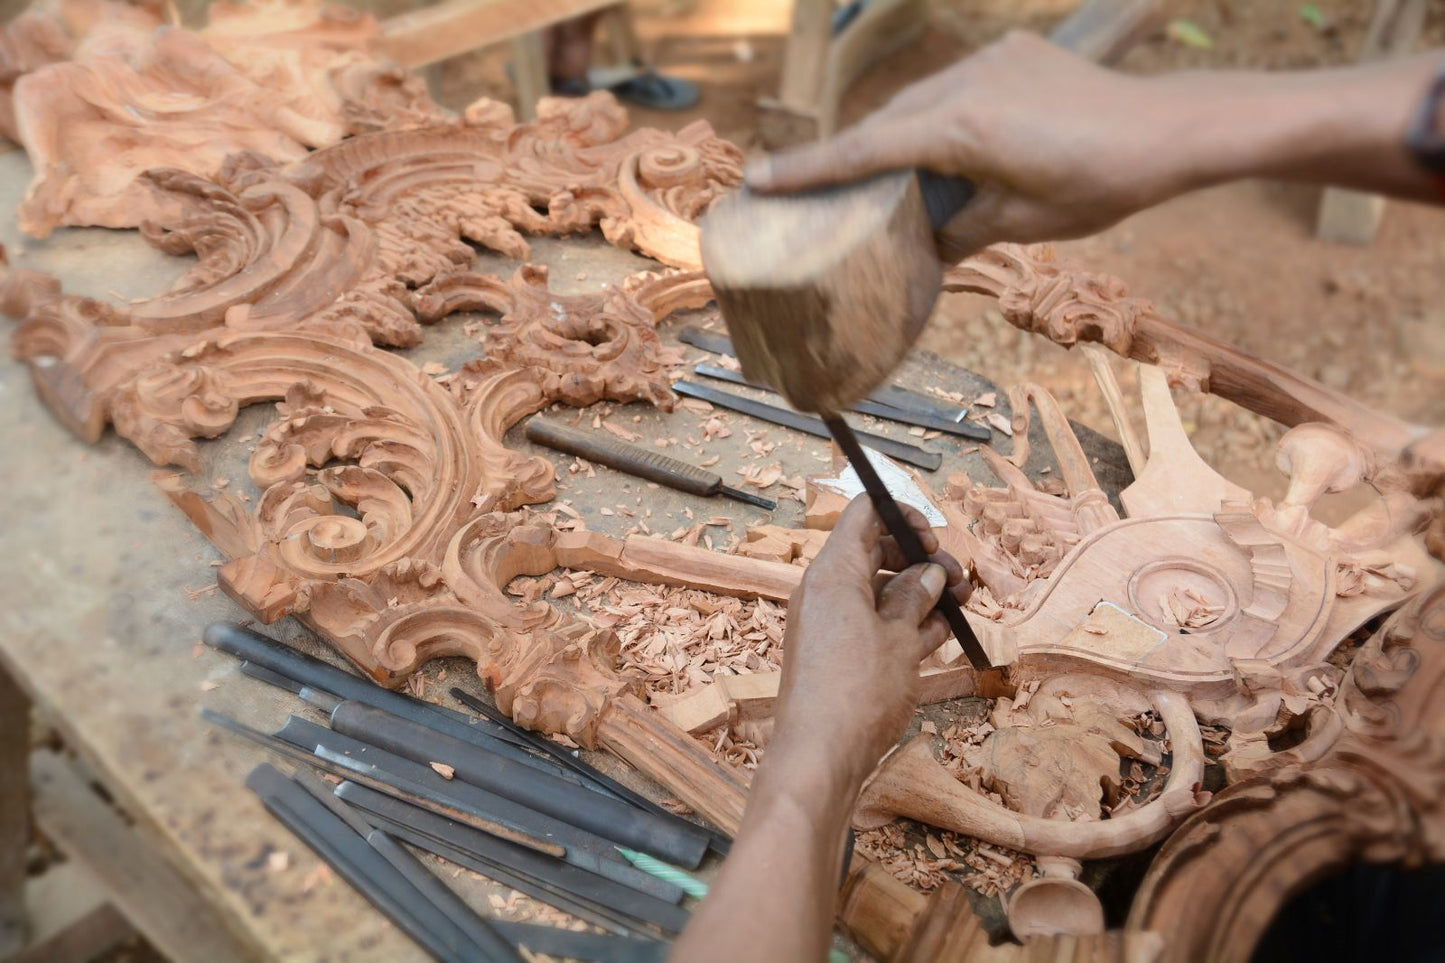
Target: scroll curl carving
column 594, row 346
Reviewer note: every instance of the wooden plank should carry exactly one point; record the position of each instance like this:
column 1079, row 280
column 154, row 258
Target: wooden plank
column 151, row 893
column 454, row 27
column 14, row 811
column 72, row 919
column 1353, row 217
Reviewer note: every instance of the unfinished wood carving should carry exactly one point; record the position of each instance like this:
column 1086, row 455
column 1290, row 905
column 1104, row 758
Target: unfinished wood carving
column 391, row 514
column 133, row 94
column 1064, row 303
column 595, row 346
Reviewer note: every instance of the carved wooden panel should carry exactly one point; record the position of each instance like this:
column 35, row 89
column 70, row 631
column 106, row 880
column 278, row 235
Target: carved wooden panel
column 393, row 515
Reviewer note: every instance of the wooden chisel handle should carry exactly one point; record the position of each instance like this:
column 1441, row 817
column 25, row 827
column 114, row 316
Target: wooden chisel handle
column 615, row 453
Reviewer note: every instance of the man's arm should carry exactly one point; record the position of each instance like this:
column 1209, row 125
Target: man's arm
column 850, row 682
column 1059, row 147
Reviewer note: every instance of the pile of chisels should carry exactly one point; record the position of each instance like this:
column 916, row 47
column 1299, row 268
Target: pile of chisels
column 478, row 791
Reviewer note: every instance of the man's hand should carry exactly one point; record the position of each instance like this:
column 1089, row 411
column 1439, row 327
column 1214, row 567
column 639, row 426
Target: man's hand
column 850, row 679
column 854, row 640
column 1055, row 145
column 1058, row 147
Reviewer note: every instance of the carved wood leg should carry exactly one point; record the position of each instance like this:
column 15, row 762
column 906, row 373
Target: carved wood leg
column 642, row 738
column 14, row 811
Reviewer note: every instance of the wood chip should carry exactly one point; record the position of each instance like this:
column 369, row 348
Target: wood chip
column 621, row 432
column 445, row 771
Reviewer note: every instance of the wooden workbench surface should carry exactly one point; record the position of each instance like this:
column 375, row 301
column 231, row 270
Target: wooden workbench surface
column 104, row 589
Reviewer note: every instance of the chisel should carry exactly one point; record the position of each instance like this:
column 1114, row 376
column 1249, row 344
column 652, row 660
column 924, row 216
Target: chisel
column 865, row 407
column 651, row 465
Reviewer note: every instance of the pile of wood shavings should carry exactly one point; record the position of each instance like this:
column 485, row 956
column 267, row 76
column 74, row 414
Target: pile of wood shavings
column 679, row 638
column 983, row 867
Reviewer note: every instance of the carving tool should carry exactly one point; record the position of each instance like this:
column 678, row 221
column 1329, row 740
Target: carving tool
column 716, row 842
column 689, row 884
column 338, row 844
column 904, row 535
column 539, row 939
column 824, row 292
column 582, row 849
column 612, row 819
column 314, row 674
column 634, row 460
column 866, row 407
column 808, row 424
column 594, row 898
column 891, row 396
column 382, row 782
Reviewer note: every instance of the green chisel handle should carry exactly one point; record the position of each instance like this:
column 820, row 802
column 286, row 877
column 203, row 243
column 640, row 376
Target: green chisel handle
column 651, row 465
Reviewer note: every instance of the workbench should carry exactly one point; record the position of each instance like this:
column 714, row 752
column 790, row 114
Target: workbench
column 104, row 590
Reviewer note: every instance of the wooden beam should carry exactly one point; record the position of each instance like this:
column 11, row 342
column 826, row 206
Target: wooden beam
column 454, row 27
column 1353, row 217
column 153, row 895
column 14, row 811
column 72, row 919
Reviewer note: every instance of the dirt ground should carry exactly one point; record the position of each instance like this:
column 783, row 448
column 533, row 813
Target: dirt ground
column 1239, row 261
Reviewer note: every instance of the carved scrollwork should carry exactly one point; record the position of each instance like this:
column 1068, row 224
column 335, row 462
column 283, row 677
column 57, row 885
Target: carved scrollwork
column 594, row 346
column 1375, row 796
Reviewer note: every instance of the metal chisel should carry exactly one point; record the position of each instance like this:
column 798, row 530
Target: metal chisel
column 651, row 465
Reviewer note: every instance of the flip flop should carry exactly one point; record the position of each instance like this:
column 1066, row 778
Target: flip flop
column 657, row 91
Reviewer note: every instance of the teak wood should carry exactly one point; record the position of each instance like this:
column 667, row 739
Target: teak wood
column 393, row 515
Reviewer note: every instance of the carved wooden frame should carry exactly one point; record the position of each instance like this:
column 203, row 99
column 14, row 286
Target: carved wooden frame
column 388, row 521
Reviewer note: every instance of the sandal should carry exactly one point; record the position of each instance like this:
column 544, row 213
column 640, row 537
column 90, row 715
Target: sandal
column 657, row 91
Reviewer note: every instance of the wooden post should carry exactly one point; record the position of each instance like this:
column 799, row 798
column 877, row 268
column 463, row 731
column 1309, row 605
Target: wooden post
column 623, row 49
column 1353, row 217
column 14, row 811
column 530, row 60
column 806, row 53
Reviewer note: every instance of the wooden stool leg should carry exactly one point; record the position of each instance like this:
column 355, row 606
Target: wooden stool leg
column 623, row 50
column 14, row 811
column 530, row 58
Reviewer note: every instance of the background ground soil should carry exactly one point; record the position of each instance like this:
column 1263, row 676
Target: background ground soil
column 1240, row 261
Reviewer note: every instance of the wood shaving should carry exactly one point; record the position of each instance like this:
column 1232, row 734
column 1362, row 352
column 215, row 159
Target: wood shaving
column 621, row 432
column 1000, row 423
column 761, row 477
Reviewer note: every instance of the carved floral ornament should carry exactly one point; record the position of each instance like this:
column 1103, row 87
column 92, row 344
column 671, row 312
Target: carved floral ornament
column 392, row 513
